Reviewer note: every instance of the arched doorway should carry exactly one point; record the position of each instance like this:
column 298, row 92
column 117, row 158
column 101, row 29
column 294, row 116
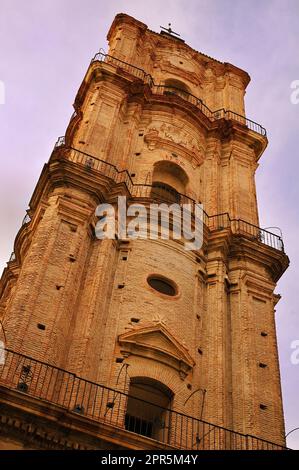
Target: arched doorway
column 148, row 408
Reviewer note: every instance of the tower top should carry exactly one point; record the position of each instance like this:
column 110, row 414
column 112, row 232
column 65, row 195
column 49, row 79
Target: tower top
column 138, row 34
column 169, row 32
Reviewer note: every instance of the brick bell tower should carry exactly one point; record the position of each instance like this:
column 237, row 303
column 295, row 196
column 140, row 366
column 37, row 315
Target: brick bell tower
column 140, row 344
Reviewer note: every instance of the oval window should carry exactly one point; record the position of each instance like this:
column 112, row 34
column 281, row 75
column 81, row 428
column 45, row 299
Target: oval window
column 162, row 285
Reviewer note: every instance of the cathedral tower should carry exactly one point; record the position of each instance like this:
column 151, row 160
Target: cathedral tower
column 142, row 344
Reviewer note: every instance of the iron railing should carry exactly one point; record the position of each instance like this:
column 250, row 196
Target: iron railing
column 106, row 405
column 149, row 191
column 185, row 95
column 246, row 229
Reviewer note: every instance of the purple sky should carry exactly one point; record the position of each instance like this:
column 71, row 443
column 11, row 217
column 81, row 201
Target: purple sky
column 46, row 46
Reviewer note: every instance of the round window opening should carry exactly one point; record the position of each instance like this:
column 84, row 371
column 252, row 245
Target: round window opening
column 162, row 285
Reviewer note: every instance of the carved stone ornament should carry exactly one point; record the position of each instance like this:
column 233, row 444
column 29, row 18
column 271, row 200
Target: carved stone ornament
column 157, row 343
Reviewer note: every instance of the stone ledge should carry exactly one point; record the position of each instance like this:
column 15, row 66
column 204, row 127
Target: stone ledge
column 44, row 425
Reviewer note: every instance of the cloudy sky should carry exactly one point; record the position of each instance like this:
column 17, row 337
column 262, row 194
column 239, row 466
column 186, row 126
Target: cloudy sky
column 45, row 48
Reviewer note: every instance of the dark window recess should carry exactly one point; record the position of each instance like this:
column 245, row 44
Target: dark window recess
column 135, row 320
column 58, row 287
column 263, row 333
column 137, row 154
column 133, row 174
column 138, row 425
column 263, row 407
column 176, row 87
column 120, row 286
column 141, row 134
column 119, row 360
column 124, row 258
column 199, row 351
column 162, row 285
column 147, row 409
column 262, row 365
column 164, row 191
column 40, row 326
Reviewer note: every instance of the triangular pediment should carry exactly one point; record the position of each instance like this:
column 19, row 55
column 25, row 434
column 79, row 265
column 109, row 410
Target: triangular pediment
column 157, row 343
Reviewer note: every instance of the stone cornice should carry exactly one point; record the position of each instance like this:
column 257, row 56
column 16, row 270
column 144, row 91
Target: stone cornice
column 274, row 261
column 138, row 91
column 223, row 244
column 9, row 276
column 44, row 425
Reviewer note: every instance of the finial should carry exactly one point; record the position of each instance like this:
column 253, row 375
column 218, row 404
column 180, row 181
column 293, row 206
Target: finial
column 169, row 30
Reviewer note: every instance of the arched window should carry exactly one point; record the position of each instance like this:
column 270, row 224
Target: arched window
column 169, row 180
column 173, row 86
column 148, row 408
column 165, row 192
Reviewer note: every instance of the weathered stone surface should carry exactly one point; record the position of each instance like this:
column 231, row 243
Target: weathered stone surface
column 68, row 281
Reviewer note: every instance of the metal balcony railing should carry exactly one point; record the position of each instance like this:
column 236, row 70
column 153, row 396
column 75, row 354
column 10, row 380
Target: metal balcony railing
column 106, row 405
column 185, row 95
column 148, row 191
